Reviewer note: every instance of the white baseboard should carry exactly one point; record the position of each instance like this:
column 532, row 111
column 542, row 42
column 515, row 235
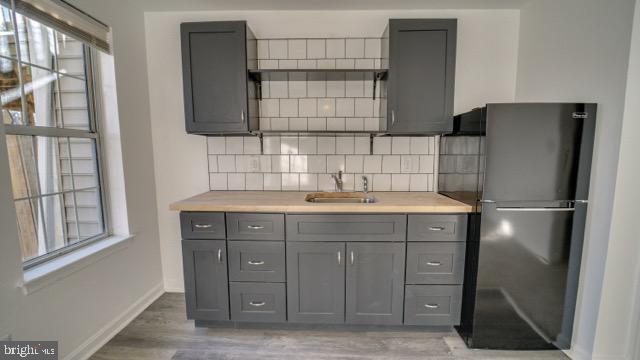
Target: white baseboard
column 96, row 341
column 174, row 289
column 577, row 353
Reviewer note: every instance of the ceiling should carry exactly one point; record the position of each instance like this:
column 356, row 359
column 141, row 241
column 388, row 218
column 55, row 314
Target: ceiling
column 193, row 5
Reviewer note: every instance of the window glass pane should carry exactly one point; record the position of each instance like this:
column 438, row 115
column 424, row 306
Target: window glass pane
column 10, row 93
column 37, row 43
column 74, row 107
column 82, row 167
column 42, row 225
column 89, row 213
column 42, row 93
column 23, row 166
column 7, row 37
column 70, row 56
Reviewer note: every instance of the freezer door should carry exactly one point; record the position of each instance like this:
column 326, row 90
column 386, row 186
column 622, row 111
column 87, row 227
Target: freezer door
column 533, row 151
column 525, row 252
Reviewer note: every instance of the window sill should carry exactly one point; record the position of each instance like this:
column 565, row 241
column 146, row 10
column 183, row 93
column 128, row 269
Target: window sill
column 57, row 269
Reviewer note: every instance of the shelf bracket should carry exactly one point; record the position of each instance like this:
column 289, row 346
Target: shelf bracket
column 371, row 144
column 261, row 143
column 375, row 81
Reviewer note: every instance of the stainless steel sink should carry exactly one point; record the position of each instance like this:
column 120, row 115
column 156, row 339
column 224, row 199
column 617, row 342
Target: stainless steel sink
column 340, row 198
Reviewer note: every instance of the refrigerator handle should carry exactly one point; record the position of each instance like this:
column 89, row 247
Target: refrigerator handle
column 539, row 209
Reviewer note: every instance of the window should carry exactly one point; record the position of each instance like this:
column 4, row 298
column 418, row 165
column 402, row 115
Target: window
column 48, row 111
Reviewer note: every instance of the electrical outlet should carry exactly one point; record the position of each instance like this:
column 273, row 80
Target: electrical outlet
column 407, row 163
column 254, row 164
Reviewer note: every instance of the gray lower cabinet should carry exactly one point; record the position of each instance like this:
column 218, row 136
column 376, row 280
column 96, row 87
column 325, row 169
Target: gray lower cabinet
column 205, row 279
column 259, row 302
column 316, row 282
column 375, row 283
column 435, row 263
column 346, row 227
column 256, row 261
column 433, row 305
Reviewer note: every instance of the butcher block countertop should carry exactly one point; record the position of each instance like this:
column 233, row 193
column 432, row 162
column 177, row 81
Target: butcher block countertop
column 293, row 202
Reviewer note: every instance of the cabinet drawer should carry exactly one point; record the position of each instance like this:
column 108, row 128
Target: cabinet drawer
column 258, row 302
column 437, row 228
column 256, row 261
column 433, row 305
column 243, row 226
column 202, row 225
column 332, row 227
column 435, row 263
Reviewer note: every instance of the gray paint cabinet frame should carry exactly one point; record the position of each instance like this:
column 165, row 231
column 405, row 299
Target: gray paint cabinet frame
column 205, row 279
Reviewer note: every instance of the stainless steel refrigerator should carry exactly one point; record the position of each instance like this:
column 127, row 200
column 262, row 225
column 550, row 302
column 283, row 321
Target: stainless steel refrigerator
column 525, row 167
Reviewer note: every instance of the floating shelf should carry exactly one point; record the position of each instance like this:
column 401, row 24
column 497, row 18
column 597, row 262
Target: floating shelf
column 375, row 75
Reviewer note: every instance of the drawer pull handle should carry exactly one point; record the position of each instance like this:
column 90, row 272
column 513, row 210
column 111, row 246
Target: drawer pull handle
column 257, row 303
column 434, row 263
column 253, row 262
column 255, row 227
column 436, row 228
column 202, row 226
column 351, row 260
column 339, row 258
column 219, row 255
column 431, row 306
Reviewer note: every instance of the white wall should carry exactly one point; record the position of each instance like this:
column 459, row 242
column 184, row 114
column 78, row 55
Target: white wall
column 619, row 315
column 485, row 72
column 577, row 50
column 83, row 307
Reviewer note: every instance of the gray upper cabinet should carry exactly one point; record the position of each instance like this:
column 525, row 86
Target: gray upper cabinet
column 420, row 83
column 375, row 283
column 205, row 279
column 315, row 282
column 219, row 97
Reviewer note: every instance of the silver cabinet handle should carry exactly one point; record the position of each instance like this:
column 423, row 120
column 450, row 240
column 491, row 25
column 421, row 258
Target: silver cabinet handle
column 257, row 303
column 351, row 258
column 393, row 117
column 436, row 228
column 255, row 227
column 339, row 258
column 434, row 263
column 253, row 262
column 202, row 226
column 242, row 116
column 219, row 255
column 431, row 306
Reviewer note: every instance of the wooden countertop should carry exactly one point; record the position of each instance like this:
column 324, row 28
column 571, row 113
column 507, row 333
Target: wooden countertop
column 291, row 202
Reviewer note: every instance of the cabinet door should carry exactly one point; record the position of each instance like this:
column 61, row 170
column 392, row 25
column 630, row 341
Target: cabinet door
column 375, row 283
column 214, row 70
column 421, row 75
column 205, row 279
column 315, row 286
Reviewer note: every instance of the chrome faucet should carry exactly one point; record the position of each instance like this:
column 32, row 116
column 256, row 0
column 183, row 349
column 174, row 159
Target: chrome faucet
column 338, row 180
column 365, row 184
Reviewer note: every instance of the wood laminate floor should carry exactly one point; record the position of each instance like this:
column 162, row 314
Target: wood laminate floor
column 163, row 332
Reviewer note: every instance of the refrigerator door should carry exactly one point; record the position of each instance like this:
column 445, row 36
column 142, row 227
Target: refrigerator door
column 525, row 254
column 533, row 151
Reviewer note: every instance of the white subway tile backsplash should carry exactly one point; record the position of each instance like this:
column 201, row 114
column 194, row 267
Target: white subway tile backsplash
column 297, row 49
column 288, row 107
column 308, row 107
column 390, row 164
column 373, row 164
column 236, row 182
column 326, row 145
column 381, row 182
column 336, row 124
column 382, row 145
column 316, row 49
column 335, row 48
column 400, row 145
column 251, row 145
column 344, row 107
column 277, row 49
column 216, row 145
column 289, row 145
column 307, row 145
column 254, row 181
column 339, row 102
column 234, row 145
column 308, row 182
column 290, row 182
column 372, row 48
column 271, row 144
column 327, row 107
column 354, row 48
column 345, row 145
column 226, row 163
column 354, row 163
column 273, row 182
